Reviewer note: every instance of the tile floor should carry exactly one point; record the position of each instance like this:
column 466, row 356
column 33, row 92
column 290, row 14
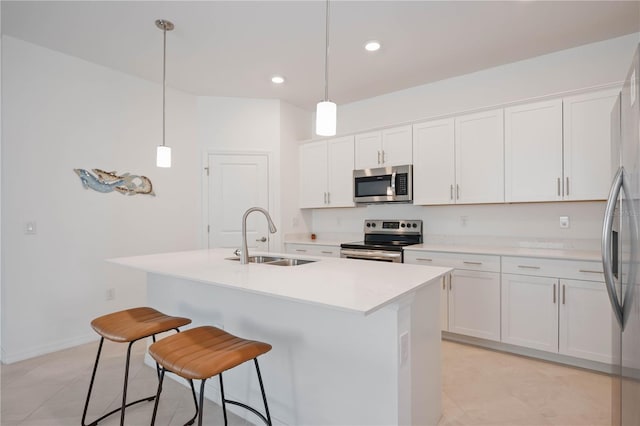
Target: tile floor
column 480, row 387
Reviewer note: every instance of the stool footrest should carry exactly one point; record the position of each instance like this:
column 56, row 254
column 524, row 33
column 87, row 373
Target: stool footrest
column 95, row 422
column 245, row 406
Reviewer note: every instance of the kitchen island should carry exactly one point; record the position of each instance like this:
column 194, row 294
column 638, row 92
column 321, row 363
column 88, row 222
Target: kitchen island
column 354, row 342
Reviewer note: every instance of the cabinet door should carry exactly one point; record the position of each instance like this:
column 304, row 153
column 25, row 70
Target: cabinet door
column 474, row 304
column 480, row 157
column 340, row 169
column 587, row 145
column 585, row 320
column 368, row 148
column 434, row 162
column 533, row 152
column 530, row 311
column 396, row 146
column 313, row 174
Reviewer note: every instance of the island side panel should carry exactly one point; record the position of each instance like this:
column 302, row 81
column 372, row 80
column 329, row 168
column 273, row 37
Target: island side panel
column 327, row 366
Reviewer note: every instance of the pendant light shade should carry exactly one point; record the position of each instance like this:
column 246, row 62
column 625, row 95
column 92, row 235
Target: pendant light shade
column 326, row 111
column 163, row 153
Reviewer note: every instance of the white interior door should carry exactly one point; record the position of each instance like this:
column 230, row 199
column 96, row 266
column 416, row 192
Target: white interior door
column 236, row 183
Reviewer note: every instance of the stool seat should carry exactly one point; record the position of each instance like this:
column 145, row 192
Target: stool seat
column 204, row 352
column 133, row 324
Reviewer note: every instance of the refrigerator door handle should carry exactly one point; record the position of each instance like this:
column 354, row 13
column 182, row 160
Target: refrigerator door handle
column 607, row 229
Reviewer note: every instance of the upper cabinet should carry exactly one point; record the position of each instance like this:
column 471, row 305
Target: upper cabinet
column 480, row 158
column 459, row 160
column 560, row 149
column 533, row 152
column 388, row 147
column 587, row 145
column 326, row 173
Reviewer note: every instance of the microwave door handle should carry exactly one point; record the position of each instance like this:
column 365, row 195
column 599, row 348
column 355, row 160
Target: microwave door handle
column 393, row 184
column 607, row 258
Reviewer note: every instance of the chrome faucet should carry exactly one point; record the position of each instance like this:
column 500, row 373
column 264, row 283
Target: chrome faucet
column 244, row 254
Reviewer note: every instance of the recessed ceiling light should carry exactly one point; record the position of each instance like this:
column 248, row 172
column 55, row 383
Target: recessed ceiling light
column 277, row 79
column 372, row 45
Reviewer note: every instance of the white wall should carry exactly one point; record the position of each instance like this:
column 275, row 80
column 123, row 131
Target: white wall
column 61, row 113
column 237, row 125
column 592, row 65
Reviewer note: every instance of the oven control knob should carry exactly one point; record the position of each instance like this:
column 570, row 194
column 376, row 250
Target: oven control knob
column 415, row 225
column 403, row 225
column 373, row 224
column 368, row 225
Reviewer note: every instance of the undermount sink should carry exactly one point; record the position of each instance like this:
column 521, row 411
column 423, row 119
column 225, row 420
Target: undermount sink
column 275, row 260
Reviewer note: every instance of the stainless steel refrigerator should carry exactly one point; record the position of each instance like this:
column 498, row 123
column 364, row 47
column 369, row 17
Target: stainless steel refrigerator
column 620, row 250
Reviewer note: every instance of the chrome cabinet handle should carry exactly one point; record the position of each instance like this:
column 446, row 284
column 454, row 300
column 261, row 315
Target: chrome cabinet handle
column 444, row 283
column 450, row 285
column 328, row 198
column 424, row 259
column 528, row 267
column 471, row 263
column 559, row 188
column 554, row 294
column 383, row 159
column 607, row 257
column 563, row 293
column 567, row 186
column 378, row 157
column 261, row 240
column 326, row 252
column 302, row 250
column 457, row 191
column 325, row 198
column 451, row 191
column 587, row 271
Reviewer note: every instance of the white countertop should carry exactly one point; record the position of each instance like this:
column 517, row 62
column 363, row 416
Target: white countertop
column 566, row 254
column 359, row 286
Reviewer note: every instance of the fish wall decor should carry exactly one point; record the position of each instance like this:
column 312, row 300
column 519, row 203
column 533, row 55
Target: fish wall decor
column 126, row 183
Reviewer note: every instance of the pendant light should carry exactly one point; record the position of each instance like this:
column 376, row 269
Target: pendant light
column 326, row 110
column 163, row 153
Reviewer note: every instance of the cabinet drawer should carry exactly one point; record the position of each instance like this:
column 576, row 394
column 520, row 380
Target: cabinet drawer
column 472, row 262
column 313, row 249
column 570, row 269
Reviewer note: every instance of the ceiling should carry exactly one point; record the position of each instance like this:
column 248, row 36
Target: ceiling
column 232, row 48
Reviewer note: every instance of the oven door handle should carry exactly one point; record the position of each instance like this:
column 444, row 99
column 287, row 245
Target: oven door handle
column 371, row 254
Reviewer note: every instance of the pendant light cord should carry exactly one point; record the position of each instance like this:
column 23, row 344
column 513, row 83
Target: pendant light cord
column 164, row 83
column 326, row 55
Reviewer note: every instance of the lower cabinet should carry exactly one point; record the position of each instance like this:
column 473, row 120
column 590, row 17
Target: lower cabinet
column 313, row 249
column 470, row 295
column 562, row 315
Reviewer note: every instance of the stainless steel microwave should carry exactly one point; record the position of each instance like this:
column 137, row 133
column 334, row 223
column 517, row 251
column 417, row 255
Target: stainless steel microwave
column 383, row 185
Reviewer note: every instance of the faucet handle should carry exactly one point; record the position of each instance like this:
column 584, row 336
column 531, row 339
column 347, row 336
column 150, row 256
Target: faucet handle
column 237, row 252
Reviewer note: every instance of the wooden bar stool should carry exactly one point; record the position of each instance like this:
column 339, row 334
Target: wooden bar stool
column 204, row 352
column 129, row 326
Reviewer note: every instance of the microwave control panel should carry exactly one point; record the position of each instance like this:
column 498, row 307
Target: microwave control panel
column 402, row 184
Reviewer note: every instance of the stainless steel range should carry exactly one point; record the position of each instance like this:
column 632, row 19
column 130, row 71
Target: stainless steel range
column 384, row 240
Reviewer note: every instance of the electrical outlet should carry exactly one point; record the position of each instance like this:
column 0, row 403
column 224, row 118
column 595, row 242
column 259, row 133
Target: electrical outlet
column 564, row 222
column 111, row 293
column 464, row 220
column 30, row 228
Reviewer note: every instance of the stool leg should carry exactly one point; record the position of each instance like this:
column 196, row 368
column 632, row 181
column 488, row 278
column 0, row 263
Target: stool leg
column 224, row 406
column 93, row 377
column 195, row 402
column 155, row 405
column 202, row 404
column 264, row 396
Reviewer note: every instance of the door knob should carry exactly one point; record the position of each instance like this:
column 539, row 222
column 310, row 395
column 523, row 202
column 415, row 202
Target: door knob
column 262, row 240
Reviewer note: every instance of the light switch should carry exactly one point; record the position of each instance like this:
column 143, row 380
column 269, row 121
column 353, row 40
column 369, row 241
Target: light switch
column 30, row 228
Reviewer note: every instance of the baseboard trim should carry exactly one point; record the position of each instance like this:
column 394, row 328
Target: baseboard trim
column 10, row 358
column 531, row 353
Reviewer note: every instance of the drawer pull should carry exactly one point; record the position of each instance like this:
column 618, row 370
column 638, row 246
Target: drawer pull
column 528, row 267
column 424, row 259
column 587, row 271
column 564, row 296
column 326, row 252
column 466, row 262
column 444, row 283
column 301, row 250
column 554, row 294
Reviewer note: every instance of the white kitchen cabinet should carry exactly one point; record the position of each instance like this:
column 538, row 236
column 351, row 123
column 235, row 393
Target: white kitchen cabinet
column 473, row 291
column 587, row 145
column 326, row 173
column 557, row 306
column 388, row 147
column 479, row 153
column 530, row 311
column 585, row 320
column 533, row 152
column 427, row 259
column 313, row 249
column 434, row 173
